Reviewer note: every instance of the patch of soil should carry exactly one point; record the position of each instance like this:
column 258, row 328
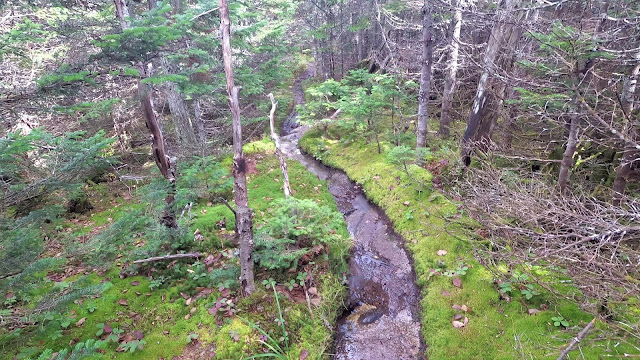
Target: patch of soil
column 197, row 351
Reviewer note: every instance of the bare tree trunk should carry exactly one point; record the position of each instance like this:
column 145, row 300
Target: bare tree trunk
column 630, row 153
column 570, row 149
column 425, row 75
column 276, row 139
column 450, row 82
column 199, row 123
column 244, row 215
column 166, row 165
column 179, row 110
column 479, row 102
column 122, row 13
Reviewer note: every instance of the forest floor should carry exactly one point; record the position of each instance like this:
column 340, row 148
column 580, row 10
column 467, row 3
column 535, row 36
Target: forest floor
column 464, row 313
column 183, row 312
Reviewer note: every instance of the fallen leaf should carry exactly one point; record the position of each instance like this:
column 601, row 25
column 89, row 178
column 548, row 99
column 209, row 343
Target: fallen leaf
column 123, row 302
column 107, row 329
column 127, row 338
column 460, row 324
column 193, row 309
column 188, row 302
column 303, row 354
column 81, row 322
column 442, row 252
column 533, row 311
column 406, row 203
column 135, row 283
column 138, row 334
column 457, row 282
column 313, row 291
column 446, row 293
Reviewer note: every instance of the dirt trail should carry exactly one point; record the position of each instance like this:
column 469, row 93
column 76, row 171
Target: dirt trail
column 382, row 319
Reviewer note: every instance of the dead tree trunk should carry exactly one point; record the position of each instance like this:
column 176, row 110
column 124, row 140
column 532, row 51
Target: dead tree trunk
column 244, row 215
column 166, row 164
column 276, row 139
column 482, row 92
column 425, row 75
column 630, row 154
column 450, row 82
column 570, row 149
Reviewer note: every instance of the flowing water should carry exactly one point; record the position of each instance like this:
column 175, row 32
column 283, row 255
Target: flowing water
column 382, row 319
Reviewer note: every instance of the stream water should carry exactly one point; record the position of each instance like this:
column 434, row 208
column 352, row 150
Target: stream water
column 382, row 316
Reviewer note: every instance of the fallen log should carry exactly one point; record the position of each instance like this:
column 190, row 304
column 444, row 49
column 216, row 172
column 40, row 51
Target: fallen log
column 168, row 257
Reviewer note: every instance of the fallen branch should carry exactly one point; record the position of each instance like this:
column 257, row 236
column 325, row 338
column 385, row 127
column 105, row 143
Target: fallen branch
column 577, row 339
column 168, row 257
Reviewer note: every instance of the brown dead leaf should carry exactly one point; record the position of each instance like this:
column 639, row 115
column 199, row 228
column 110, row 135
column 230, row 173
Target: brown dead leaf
column 193, row 309
column 81, row 322
column 123, row 302
column 533, row 311
column 457, row 282
column 406, row 203
column 303, row 354
column 442, row 252
column 135, row 283
column 445, row 293
column 460, row 324
column 188, row 302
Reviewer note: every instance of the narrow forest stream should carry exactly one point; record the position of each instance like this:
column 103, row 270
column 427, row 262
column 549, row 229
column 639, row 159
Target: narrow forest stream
column 382, row 319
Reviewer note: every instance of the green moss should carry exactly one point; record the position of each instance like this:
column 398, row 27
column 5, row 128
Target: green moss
column 496, row 329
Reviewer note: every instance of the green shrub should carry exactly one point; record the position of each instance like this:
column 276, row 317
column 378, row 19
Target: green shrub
column 295, row 227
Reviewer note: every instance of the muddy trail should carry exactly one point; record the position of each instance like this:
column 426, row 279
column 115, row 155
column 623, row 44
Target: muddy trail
column 382, row 319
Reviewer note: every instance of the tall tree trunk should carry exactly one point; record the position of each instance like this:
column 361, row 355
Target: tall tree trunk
column 179, row 110
column 122, row 13
column 276, row 140
column 570, row 149
column 630, row 154
column 450, row 82
column 244, row 215
column 425, row 74
column 480, row 100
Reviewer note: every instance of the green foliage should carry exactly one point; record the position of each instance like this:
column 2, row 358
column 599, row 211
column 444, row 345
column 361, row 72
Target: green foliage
column 62, row 77
column 559, row 321
column 295, row 226
column 13, row 42
column 90, row 110
column 204, row 178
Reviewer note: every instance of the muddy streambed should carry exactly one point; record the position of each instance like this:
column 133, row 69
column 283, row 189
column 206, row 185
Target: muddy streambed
column 382, row 319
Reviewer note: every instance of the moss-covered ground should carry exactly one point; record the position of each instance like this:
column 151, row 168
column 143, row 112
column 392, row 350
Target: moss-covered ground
column 496, row 328
column 168, row 315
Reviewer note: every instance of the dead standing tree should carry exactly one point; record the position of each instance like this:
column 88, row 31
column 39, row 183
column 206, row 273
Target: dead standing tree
column 276, row 139
column 166, row 164
column 244, row 215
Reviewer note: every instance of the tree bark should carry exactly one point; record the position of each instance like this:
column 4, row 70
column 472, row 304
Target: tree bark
column 244, row 215
column 450, row 82
column 480, row 100
column 166, row 165
column 122, row 13
column 276, row 139
column 179, row 110
column 630, row 153
column 425, row 74
column 570, row 149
